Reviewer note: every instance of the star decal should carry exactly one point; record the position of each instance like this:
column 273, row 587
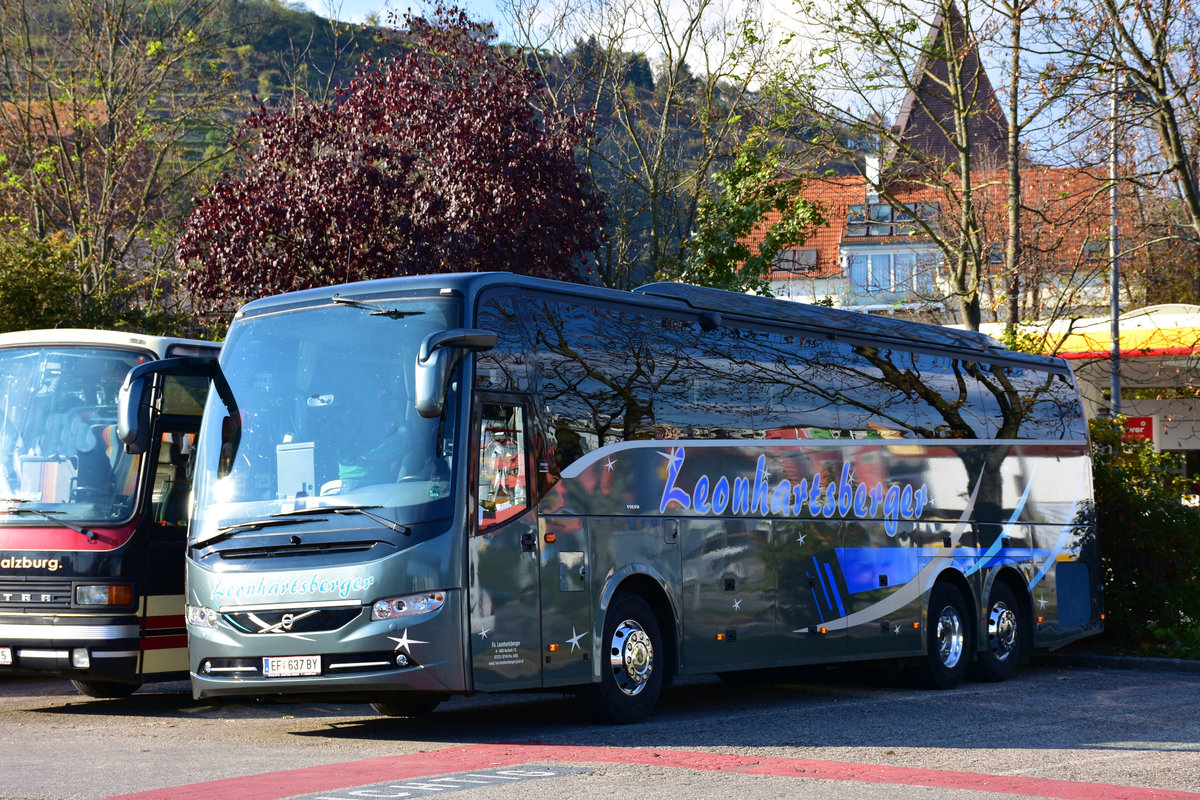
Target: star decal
column 483, row 632
column 403, row 642
column 575, row 637
column 800, row 538
column 1042, row 601
column 672, row 457
column 896, row 630
column 737, row 604
column 609, row 464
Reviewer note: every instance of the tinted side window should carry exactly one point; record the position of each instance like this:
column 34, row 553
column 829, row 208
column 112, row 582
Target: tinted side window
column 592, row 373
column 607, row 375
column 944, row 399
column 878, row 391
column 502, row 367
column 796, row 386
column 1034, row 404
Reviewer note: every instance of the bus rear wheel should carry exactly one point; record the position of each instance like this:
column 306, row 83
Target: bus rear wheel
column 105, row 690
column 947, row 634
column 999, row 658
column 631, row 670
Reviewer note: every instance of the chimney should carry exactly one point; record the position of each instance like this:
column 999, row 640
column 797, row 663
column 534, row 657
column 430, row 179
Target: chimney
column 871, row 169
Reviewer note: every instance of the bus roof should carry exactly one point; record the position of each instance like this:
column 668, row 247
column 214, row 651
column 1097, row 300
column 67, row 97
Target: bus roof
column 714, row 302
column 93, row 338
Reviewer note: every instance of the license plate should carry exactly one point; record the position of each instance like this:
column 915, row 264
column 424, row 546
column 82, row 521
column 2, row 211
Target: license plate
column 5, row 656
column 291, row 666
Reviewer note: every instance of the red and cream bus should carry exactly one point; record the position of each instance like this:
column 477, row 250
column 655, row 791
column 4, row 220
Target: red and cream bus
column 91, row 537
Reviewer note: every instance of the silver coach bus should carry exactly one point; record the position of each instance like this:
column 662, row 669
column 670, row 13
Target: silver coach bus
column 420, row 487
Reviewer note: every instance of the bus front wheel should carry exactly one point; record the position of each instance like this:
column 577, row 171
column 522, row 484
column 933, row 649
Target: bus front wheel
column 631, row 669
column 998, row 660
column 104, row 690
column 947, row 635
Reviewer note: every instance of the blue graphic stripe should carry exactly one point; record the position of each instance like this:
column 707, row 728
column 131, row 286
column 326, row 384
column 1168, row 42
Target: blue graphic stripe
column 824, row 587
column 836, row 594
column 862, row 566
column 1004, row 533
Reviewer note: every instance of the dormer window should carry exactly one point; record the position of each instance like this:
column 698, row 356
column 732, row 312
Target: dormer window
column 881, row 219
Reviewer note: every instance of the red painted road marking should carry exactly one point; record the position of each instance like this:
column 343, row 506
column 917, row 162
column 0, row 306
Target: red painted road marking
column 333, row 777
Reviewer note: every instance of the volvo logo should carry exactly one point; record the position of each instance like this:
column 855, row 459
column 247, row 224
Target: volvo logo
column 284, row 625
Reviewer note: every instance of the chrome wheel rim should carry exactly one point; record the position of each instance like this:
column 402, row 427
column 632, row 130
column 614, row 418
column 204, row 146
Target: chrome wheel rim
column 950, row 637
column 1002, row 631
column 631, row 656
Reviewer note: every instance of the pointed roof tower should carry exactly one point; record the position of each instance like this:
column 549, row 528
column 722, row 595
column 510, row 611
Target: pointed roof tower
column 927, row 113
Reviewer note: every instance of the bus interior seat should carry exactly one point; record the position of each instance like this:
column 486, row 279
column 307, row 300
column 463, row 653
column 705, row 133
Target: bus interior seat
column 121, row 463
column 173, row 507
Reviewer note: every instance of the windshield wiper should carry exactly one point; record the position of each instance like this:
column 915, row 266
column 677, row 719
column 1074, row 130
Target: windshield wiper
column 253, row 525
column 376, row 309
column 366, row 511
column 48, row 515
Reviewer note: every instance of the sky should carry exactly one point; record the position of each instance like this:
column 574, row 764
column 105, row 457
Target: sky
column 357, row 10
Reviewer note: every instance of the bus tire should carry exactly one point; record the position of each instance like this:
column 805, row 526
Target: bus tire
column 632, row 664
column 947, row 637
column 407, row 706
column 105, row 690
column 1005, row 631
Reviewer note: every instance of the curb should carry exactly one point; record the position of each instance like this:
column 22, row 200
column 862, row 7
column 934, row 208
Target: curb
column 1090, row 660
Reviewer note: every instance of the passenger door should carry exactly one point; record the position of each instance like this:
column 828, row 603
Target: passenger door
column 164, row 645
column 503, row 584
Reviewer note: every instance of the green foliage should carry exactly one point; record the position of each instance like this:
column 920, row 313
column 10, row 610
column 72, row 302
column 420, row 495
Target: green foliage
column 41, row 287
column 261, row 37
column 1023, row 341
column 1149, row 546
column 38, row 284
column 751, row 188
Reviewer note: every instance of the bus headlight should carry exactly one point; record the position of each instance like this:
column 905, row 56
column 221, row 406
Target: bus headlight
column 408, row 605
column 201, row 617
column 105, row 594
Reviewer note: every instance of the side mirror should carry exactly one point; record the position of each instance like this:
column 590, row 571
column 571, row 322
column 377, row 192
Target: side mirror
column 138, row 402
column 439, row 353
column 133, row 410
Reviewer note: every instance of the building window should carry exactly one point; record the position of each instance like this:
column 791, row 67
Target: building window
column 880, row 219
column 891, row 272
column 995, row 255
column 1095, row 251
column 800, row 261
column 856, row 220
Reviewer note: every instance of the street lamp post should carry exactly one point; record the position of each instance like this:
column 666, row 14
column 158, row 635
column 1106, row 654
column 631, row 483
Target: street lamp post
column 1114, row 253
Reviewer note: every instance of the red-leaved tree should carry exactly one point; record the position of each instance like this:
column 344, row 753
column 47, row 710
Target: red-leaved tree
column 435, row 160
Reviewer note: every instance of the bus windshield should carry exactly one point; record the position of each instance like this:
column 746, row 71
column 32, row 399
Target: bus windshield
column 61, row 455
column 326, row 398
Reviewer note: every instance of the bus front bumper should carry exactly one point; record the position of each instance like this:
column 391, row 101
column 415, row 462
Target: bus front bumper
column 365, row 657
column 83, row 649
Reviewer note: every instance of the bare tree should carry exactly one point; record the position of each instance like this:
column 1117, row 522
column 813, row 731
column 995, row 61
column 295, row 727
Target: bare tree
column 1131, row 120
column 1157, row 65
column 1038, row 78
column 110, row 107
column 668, row 85
column 907, row 80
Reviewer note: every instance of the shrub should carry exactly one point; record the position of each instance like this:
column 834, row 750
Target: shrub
column 39, row 286
column 1149, row 545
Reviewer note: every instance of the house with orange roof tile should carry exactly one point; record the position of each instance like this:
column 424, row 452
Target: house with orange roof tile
column 878, row 256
